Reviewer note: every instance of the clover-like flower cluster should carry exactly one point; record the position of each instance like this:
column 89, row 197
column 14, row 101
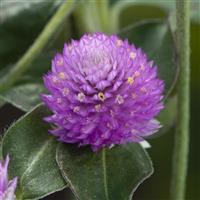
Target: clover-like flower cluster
column 7, row 188
column 103, row 91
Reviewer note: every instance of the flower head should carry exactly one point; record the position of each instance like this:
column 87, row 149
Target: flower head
column 7, row 188
column 103, row 91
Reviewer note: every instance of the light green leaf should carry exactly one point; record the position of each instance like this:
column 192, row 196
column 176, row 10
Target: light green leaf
column 109, row 174
column 86, row 17
column 125, row 12
column 155, row 38
column 32, row 152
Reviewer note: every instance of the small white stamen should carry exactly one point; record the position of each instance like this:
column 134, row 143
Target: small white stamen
column 62, row 75
column 76, row 109
column 112, row 113
column 134, row 96
column 143, row 89
column 55, row 79
column 81, row 96
column 109, row 125
column 65, row 91
column 59, row 100
column 133, row 131
column 60, row 62
column 98, row 107
column 136, row 74
column 70, row 47
column 142, row 67
column 119, row 99
column 132, row 55
column 119, row 43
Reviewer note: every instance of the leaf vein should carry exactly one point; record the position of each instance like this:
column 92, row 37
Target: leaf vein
column 36, row 158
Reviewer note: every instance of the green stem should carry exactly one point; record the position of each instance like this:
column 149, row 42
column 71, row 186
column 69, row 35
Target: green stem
column 93, row 16
column 105, row 173
column 23, row 64
column 104, row 15
column 87, row 17
column 182, row 130
column 115, row 14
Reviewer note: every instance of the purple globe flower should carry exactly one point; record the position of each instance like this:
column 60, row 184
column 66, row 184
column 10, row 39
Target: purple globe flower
column 7, row 188
column 103, row 91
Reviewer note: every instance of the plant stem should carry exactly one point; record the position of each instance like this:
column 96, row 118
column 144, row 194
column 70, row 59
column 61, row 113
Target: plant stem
column 182, row 130
column 22, row 65
column 87, row 17
column 93, row 16
column 104, row 15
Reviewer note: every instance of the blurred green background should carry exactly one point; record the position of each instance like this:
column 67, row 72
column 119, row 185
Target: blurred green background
column 17, row 18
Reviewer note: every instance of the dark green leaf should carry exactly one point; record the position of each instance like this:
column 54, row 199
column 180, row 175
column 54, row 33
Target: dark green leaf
column 167, row 116
column 108, row 174
column 1, row 157
column 24, row 97
column 155, row 38
column 38, row 68
column 32, row 152
column 26, row 93
column 16, row 37
column 20, row 24
column 2, row 102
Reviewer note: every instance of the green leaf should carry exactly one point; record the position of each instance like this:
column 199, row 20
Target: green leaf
column 32, row 152
column 14, row 41
column 167, row 116
column 15, row 38
column 155, row 38
column 195, row 10
column 86, row 17
column 128, row 12
column 125, row 13
column 24, row 97
column 2, row 102
column 109, row 174
column 38, row 68
column 20, row 24
column 1, row 157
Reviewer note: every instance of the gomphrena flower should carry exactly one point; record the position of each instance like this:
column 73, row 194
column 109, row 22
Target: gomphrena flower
column 7, row 188
column 103, row 91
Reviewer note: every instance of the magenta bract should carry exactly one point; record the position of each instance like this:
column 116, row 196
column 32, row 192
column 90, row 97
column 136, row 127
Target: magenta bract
column 7, row 188
column 103, row 91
